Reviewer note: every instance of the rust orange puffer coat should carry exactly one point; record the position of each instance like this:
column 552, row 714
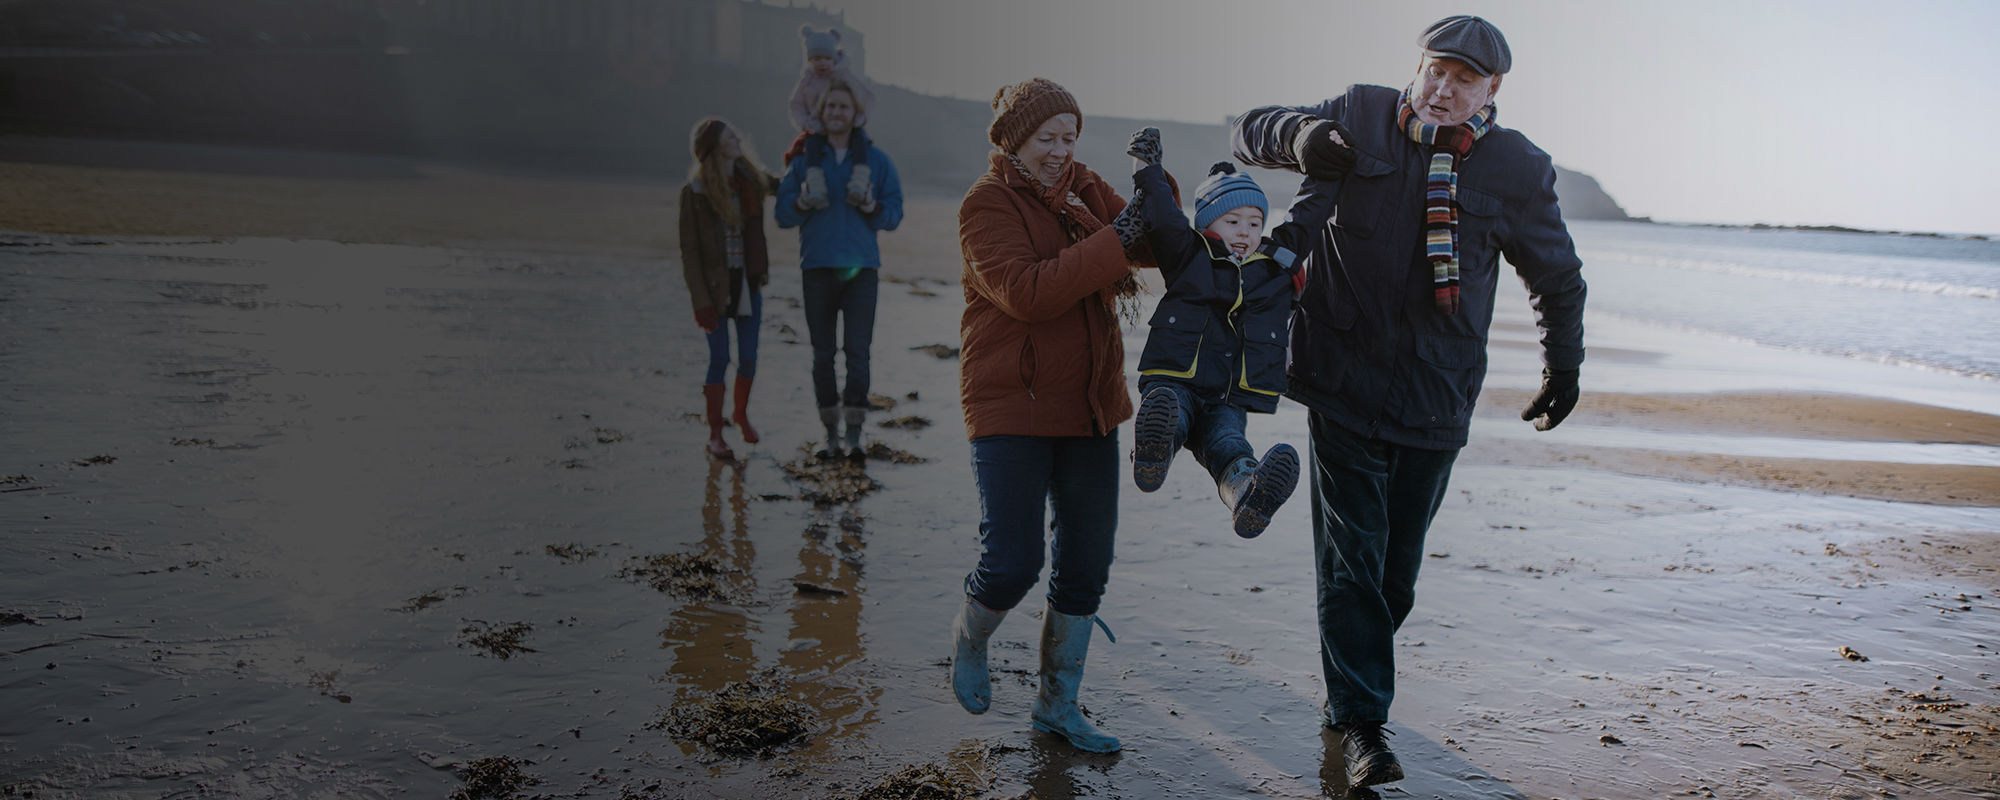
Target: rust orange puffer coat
column 1041, row 353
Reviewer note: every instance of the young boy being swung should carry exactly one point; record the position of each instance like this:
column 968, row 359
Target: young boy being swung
column 1217, row 347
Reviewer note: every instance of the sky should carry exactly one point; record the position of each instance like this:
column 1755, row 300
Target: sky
column 1869, row 115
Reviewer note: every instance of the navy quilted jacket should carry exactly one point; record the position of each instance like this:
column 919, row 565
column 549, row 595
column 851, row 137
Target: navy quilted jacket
column 1369, row 350
column 1220, row 329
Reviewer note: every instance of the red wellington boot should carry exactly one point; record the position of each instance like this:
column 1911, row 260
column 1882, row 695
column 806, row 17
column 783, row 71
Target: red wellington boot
column 712, row 392
column 742, row 415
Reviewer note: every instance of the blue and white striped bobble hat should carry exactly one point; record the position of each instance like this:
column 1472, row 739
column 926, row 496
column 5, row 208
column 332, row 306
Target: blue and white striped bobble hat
column 1225, row 190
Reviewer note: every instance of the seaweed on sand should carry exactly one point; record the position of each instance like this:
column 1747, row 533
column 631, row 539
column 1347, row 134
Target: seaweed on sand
column 830, row 481
column 748, row 717
column 965, row 775
column 688, row 576
column 878, row 451
column 497, row 778
column 499, row 641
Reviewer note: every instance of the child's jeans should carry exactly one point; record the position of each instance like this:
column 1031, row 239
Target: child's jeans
column 1213, row 432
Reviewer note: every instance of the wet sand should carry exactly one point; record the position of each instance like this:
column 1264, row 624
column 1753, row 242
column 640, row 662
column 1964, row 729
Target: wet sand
column 260, row 489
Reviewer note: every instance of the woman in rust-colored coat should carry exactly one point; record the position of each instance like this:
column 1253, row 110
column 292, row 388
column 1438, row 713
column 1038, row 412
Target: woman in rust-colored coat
column 1048, row 263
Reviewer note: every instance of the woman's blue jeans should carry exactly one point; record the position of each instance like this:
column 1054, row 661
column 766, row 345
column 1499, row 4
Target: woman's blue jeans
column 1021, row 480
column 746, row 342
column 834, row 299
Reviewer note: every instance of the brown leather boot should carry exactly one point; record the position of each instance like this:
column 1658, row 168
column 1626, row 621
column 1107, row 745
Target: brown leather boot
column 742, row 415
column 712, row 392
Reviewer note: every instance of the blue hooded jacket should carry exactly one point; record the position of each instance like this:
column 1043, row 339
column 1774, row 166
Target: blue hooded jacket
column 840, row 236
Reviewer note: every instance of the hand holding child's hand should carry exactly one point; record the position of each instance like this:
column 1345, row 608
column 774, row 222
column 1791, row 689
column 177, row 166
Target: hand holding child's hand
column 1323, row 151
column 1130, row 224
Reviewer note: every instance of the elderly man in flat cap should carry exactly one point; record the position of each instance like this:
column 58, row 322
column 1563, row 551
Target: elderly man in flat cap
column 1389, row 340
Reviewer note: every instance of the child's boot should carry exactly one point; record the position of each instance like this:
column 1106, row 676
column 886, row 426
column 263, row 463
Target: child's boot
column 812, row 191
column 1156, row 437
column 1254, row 490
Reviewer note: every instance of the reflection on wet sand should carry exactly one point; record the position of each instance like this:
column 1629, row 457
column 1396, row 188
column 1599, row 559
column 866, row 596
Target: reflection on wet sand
column 710, row 646
column 1058, row 771
column 826, row 625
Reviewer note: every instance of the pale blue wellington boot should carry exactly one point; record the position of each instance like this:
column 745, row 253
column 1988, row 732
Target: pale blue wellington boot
column 969, row 632
column 1065, row 644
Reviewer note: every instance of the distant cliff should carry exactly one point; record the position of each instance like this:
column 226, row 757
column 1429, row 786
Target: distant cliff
column 602, row 86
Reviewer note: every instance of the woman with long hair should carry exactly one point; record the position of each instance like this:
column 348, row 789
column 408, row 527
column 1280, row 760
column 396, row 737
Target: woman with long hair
column 726, row 263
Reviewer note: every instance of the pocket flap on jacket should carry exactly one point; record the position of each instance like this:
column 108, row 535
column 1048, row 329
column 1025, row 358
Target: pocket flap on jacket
column 1180, row 317
column 1458, row 352
column 1368, row 166
column 1478, row 203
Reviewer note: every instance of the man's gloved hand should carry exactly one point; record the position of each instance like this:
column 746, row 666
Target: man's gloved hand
column 1145, row 148
column 708, row 319
column 1556, row 399
column 1323, row 151
column 1130, row 224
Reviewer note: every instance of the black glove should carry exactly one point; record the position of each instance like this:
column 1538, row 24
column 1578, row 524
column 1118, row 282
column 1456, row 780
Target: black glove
column 1553, row 403
column 1130, row 225
column 1322, row 150
column 1145, row 146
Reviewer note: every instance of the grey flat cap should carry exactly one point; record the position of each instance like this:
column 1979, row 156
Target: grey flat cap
column 1469, row 39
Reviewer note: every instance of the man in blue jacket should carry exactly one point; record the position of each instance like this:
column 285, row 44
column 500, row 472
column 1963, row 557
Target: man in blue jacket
column 1389, row 339
column 838, row 206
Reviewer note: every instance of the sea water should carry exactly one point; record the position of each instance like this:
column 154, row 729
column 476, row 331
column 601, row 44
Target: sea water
column 1931, row 303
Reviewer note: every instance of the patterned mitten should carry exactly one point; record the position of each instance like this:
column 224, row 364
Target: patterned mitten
column 1145, row 146
column 1130, row 224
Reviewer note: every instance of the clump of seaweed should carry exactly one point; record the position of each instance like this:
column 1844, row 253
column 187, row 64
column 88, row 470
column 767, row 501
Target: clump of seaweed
column 938, row 350
column 881, row 402
column 431, row 598
column 498, row 778
column 570, row 552
column 748, row 717
column 964, row 776
column 878, row 451
column 830, row 481
column 907, row 423
column 499, row 641
column 688, row 576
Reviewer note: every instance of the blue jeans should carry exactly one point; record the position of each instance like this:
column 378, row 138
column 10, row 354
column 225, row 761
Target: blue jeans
column 828, row 296
column 1213, row 432
column 746, row 342
column 1021, row 478
column 1372, row 503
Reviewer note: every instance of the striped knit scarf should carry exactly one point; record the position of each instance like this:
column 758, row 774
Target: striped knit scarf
column 1447, row 146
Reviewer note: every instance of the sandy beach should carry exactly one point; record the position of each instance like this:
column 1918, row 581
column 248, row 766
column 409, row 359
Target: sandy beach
column 298, row 444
